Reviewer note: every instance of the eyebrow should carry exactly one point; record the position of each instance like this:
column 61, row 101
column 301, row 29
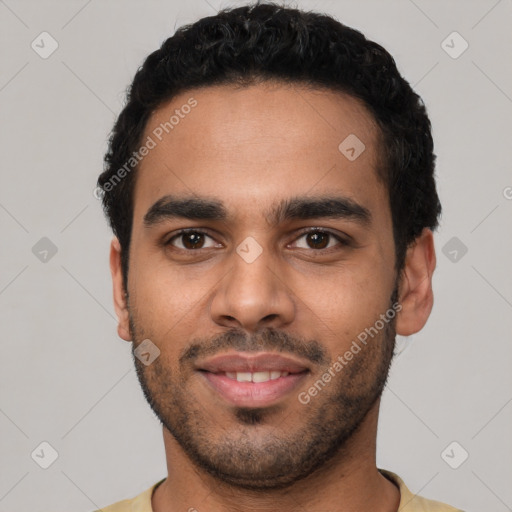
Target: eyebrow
column 303, row 208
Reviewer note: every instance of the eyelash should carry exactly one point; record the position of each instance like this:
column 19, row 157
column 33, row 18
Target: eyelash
column 342, row 241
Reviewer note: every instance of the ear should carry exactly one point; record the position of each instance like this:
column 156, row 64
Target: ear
column 120, row 304
column 415, row 289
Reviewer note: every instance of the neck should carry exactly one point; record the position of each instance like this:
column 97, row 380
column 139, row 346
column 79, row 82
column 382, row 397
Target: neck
column 348, row 481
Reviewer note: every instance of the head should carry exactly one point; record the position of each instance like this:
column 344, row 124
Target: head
column 301, row 165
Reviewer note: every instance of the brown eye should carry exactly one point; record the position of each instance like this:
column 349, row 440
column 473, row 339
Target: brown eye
column 193, row 240
column 190, row 240
column 318, row 239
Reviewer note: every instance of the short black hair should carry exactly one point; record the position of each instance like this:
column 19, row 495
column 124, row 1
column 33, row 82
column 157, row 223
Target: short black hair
column 269, row 42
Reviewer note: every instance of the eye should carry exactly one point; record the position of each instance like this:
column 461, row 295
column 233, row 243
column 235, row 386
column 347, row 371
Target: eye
column 191, row 239
column 194, row 239
column 319, row 239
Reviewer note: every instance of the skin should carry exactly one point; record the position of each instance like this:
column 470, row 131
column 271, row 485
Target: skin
column 251, row 148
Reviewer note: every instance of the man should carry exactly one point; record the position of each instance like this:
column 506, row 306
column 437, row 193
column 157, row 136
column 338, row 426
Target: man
column 270, row 183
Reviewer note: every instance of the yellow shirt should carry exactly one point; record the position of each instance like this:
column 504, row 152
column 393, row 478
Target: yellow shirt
column 409, row 502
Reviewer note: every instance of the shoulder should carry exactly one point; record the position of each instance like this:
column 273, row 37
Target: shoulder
column 140, row 503
column 410, row 502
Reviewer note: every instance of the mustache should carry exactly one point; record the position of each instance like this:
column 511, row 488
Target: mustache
column 267, row 339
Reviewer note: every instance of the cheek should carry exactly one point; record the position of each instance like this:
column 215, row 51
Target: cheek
column 163, row 302
column 347, row 303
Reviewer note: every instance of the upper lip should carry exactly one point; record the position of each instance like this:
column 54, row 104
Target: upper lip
column 251, row 362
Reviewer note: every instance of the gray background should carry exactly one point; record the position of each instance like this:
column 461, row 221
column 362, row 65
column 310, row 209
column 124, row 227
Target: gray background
column 67, row 379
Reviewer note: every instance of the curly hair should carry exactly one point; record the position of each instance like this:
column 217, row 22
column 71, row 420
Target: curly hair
column 268, row 42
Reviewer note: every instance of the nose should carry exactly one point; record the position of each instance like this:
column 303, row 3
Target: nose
column 253, row 295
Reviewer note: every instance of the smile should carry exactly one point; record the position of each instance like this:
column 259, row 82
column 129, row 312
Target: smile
column 252, row 379
column 256, row 376
column 253, row 393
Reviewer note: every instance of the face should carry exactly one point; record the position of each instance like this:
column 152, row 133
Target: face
column 260, row 257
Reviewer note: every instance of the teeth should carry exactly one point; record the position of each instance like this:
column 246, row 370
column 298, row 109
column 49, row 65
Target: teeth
column 260, row 376
column 256, row 376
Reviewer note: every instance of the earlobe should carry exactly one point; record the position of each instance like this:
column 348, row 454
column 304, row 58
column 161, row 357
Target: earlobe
column 415, row 291
column 120, row 304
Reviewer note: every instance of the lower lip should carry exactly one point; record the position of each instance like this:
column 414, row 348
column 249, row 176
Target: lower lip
column 253, row 394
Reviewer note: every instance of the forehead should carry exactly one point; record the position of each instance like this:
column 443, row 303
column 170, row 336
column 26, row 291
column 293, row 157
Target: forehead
column 250, row 146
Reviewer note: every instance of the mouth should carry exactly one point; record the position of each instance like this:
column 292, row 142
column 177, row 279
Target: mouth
column 252, row 379
column 261, row 376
